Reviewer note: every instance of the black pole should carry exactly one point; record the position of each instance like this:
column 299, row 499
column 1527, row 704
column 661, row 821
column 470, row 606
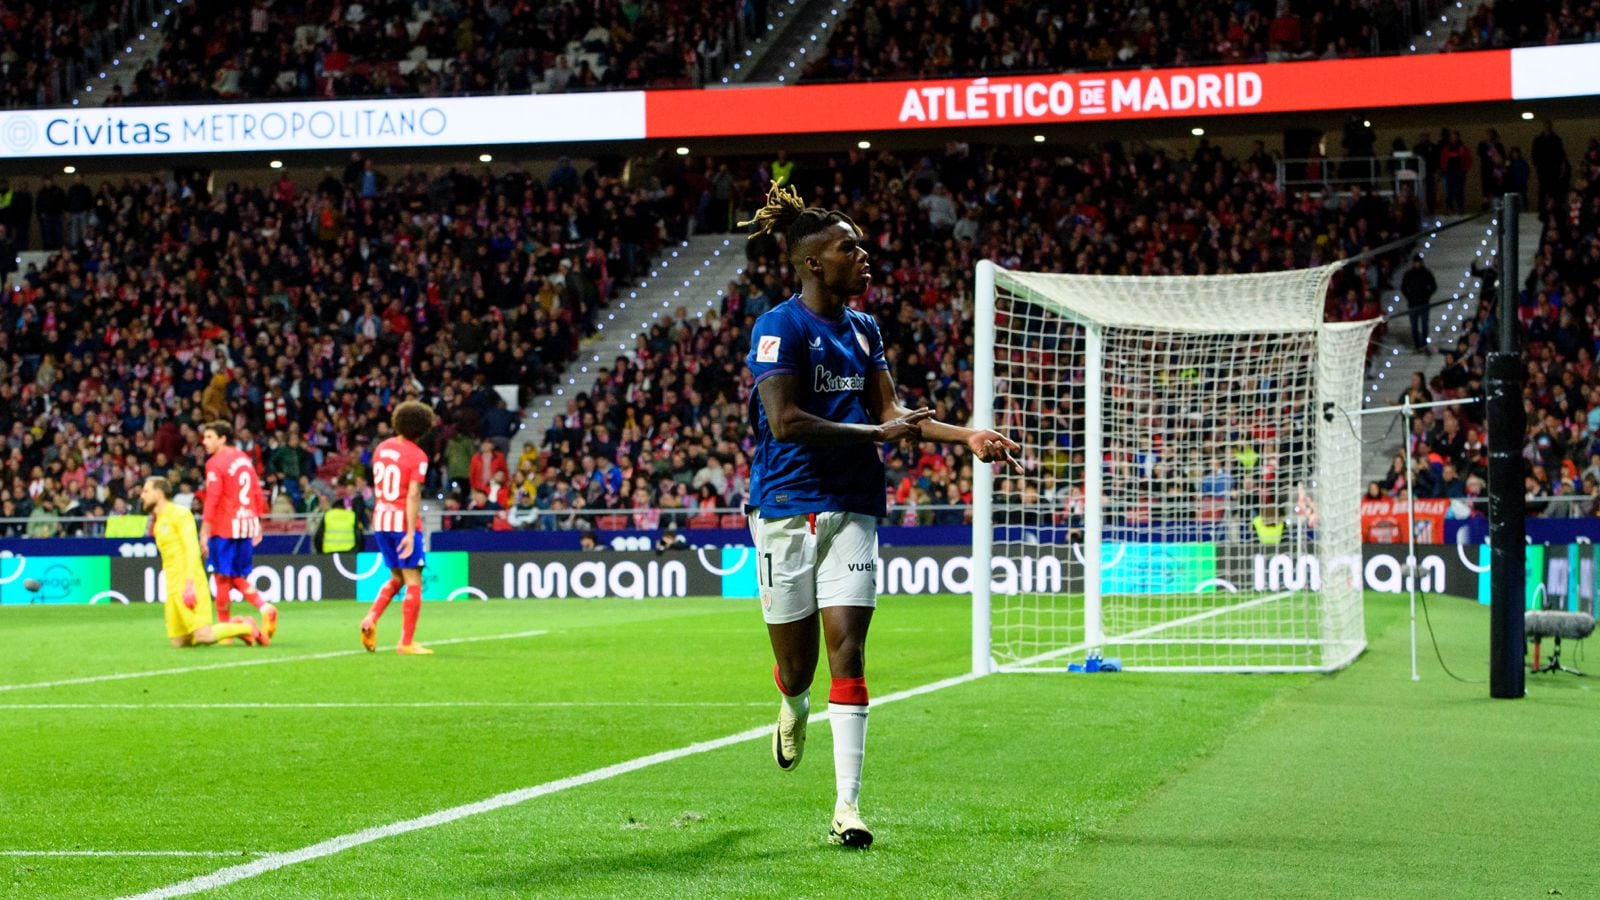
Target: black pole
column 1506, row 427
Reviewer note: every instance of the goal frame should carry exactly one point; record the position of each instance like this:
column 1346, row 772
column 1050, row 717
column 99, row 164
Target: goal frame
column 1094, row 636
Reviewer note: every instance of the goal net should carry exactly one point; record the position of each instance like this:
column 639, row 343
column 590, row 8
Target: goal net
column 1192, row 484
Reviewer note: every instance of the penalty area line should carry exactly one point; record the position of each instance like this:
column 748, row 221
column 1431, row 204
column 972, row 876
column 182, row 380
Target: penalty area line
column 273, row 861
column 256, row 661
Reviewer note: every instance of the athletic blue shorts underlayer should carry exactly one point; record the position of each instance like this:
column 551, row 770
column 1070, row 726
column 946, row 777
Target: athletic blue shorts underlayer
column 234, row 557
column 389, row 546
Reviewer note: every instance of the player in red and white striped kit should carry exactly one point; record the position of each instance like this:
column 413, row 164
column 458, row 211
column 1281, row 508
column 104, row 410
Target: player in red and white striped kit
column 231, row 526
column 399, row 467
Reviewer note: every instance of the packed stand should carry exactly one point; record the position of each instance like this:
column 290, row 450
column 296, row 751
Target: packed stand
column 332, row 48
column 665, row 436
column 301, row 313
column 886, row 39
column 48, row 51
column 1559, row 326
column 1529, row 23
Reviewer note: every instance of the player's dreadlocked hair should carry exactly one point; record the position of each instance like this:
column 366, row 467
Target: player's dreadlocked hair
column 412, row 419
column 787, row 212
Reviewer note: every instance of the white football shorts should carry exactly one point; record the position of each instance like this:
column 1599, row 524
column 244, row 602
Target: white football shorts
column 815, row 560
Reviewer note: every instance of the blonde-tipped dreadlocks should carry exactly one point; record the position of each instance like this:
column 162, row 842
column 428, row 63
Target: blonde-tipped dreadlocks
column 787, row 212
column 784, row 206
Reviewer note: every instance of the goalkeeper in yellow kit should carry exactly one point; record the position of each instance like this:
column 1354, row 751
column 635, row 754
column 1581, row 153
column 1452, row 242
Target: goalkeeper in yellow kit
column 187, row 600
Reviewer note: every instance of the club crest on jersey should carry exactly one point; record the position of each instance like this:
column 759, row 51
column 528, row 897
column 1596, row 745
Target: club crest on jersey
column 767, row 350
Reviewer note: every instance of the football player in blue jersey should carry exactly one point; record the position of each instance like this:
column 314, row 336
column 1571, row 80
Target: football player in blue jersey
column 824, row 402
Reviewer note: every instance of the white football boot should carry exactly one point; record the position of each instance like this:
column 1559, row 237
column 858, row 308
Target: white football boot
column 788, row 738
column 848, row 829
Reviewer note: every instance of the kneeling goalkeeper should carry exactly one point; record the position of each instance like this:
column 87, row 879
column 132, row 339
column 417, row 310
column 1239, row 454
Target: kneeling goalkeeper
column 187, row 598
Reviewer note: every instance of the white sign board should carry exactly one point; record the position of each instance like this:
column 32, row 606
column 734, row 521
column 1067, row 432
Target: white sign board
column 322, row 125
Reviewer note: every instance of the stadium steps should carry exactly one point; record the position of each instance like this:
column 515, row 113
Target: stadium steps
column 800, row 31
column 140, row 45
column 1435, row 31
column 24, row 259
column 1450, row 256
column 692, row 275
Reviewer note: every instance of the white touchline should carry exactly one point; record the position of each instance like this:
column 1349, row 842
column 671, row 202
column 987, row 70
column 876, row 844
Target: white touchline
column 255, row 661
column 274, row 861
column 419, row 704
column 132, row 854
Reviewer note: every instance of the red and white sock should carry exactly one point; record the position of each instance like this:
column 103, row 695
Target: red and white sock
column 248, row 592
column 385, row 594
column 798, row 704
column 847, row 707
column 222, row 596
column 409, row 609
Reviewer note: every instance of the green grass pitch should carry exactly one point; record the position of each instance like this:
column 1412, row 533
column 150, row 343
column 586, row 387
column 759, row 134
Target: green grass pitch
column 1359, row 784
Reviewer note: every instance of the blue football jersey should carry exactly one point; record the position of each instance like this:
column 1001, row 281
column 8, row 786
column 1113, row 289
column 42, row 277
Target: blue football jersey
column 831, row 359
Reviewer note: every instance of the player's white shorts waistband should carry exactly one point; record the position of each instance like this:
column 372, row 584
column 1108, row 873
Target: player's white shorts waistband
column 815, row 560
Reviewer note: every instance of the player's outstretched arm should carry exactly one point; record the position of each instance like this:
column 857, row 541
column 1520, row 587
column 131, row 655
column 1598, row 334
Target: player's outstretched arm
column 986, row 444
column 780, row 398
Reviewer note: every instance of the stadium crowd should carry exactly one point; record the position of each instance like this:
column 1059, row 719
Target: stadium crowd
column 1559, row 318
column 1528, row 23
column 330, row 48
column 48, row 51
column 301, row 313
column 327, row 48
column 883, row 39
column 667, row 427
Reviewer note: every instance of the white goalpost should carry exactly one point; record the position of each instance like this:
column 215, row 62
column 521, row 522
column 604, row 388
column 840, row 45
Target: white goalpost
column 1191, row 499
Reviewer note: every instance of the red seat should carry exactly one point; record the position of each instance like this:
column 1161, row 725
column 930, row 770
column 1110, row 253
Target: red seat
column 734, row 520
column 611, row 523
column 703, row 520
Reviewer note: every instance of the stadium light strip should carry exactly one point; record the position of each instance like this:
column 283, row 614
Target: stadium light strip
column 1530, row 73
